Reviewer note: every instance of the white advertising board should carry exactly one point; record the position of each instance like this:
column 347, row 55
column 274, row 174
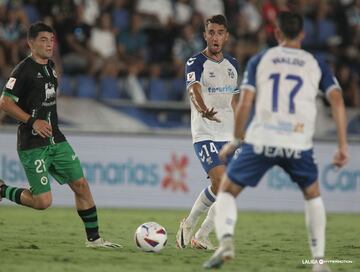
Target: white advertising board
column 164, row 172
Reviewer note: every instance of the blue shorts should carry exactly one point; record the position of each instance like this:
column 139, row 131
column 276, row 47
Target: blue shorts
column 249, row 165
column 208, row 154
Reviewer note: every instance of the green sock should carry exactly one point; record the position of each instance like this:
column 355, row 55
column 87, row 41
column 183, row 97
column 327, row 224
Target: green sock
column 89, row 218
column 12, row 193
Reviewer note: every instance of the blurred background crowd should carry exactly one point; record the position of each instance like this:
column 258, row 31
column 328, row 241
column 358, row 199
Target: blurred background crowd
column 136, row 50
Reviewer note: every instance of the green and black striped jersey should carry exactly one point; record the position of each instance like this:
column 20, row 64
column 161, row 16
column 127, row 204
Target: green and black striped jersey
column 33, row 87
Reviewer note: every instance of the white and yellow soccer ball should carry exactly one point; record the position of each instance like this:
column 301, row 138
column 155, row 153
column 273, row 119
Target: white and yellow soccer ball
column 150, row 237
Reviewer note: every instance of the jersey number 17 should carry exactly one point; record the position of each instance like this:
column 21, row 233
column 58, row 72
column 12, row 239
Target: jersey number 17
column 276, row 83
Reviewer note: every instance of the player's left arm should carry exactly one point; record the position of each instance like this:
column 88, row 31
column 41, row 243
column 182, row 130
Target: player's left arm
column 336, row 101
column 331, row 88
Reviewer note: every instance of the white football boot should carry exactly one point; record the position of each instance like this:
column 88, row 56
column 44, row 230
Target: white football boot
column 101, row 243
column 184, row 233
column 224, row 253
column 202, row 243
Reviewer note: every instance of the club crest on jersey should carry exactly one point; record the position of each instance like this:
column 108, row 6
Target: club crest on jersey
column 231, row 73
column 211, row 74
column 11, row 82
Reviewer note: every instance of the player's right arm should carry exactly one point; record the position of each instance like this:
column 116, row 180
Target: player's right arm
column 193, row 71
column 14, row 89
column 8, row 105
column 198, row 101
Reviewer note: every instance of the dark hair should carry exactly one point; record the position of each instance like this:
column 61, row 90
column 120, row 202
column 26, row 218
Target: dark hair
column 217, row 19
column 37, row 27
column 290, row 23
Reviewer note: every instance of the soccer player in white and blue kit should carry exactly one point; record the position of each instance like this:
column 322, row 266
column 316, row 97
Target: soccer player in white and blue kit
column 212, row 83
column 284, row 82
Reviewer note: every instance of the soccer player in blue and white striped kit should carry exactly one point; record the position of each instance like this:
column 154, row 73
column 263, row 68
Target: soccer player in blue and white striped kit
column 284, row 82
column 212, row 83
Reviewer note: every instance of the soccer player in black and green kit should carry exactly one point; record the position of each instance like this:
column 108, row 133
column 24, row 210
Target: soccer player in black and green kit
column 30, row 97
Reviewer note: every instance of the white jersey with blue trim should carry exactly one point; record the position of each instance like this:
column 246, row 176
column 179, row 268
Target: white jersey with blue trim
column 286, row 82
column 219, row 82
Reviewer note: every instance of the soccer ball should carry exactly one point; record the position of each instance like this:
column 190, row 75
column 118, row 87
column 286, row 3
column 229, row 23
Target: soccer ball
column 150, row 237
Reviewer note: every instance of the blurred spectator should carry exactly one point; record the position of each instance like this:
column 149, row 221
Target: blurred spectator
column 187, row 45
column 352, row 52
column 132, row 51
column 197, row 22
column 147, row 42
column 320, row 31
column 32, row 13
column 157, row 11
column 157, row 89
column 12, row 29
column 251, row 16
column 183, row 11
column 132, row 42
column 102, row 38
column 91, row 11
column 349, row 82
column 120, row 15
column 270, row 9
column 208, row 8
column 74, row 36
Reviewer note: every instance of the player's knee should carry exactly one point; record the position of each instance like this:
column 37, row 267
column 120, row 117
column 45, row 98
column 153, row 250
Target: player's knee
column 312, row 191
column 311, row 195
column 42, row 203
column 80, row 186
column 215, row 186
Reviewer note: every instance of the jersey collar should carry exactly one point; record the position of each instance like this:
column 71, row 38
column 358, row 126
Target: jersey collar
column 211, row 59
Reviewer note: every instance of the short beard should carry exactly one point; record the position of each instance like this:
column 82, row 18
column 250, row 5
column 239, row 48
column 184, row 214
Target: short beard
column 216, row 53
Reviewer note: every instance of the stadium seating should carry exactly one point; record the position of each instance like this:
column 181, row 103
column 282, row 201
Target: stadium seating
column 109, row 88
column 86, row 87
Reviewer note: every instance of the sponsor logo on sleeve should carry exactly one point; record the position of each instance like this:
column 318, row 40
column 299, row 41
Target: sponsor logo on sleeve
column 11, row 83
column 191, row 77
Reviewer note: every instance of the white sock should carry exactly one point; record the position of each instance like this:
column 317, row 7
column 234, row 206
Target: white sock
column 208, row 225
column 315, row 219
column 202, row 204
column 225, row 214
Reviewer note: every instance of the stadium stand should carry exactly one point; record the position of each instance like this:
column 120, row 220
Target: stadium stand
column 142, row 76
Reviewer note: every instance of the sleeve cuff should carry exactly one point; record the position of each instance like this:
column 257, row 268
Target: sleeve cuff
column 191, row 83
column 248, row 87
column 332, row 88
column 13, row 97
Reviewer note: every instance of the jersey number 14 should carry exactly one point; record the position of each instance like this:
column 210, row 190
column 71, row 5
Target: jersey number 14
column 275, row 98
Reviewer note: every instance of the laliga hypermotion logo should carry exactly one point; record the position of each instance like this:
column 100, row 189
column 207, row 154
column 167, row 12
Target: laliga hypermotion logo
column 175, row 174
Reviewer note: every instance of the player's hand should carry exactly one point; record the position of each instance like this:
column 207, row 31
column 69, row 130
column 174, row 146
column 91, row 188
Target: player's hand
column 210, row 114
column 227, row 150
column 42, row 128
column 341, row 157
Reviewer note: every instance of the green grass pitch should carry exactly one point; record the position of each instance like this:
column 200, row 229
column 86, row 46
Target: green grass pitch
column 53, row 240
